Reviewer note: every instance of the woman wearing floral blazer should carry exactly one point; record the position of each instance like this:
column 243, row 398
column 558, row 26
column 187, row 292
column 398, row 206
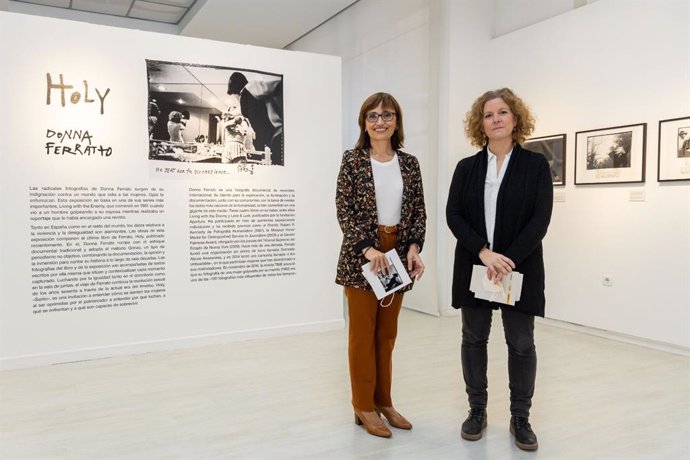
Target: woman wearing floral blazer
column 380, row 204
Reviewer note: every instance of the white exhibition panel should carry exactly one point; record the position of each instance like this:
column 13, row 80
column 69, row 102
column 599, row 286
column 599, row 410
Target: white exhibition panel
column 95, row 60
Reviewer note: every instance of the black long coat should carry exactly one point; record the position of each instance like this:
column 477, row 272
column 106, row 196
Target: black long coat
column 523, row 213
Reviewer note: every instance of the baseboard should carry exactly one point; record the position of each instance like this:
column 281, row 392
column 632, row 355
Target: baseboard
column 631, row 339
column 450, row 311
column 87, row 354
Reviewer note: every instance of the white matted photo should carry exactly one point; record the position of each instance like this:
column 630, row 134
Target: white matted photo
column 674, row 149
column 610, row 155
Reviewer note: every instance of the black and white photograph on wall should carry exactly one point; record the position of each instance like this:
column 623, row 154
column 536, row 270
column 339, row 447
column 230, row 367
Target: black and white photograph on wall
column 609, row 151
column 553, row 148
column 674, row 149
column 610, row 155
column 208, row 114
column 684, row 142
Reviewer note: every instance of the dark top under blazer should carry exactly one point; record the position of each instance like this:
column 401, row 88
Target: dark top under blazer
column 523, row 212
column 355, row 202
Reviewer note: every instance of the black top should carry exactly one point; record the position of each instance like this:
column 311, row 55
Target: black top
column 523, row 213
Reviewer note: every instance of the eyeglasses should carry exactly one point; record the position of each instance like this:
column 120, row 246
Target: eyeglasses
column 373, row 117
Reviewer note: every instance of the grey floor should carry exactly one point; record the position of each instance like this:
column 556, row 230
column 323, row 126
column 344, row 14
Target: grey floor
column 288, row 397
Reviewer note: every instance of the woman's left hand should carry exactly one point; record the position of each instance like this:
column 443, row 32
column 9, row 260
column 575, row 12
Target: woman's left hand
column 415, row 266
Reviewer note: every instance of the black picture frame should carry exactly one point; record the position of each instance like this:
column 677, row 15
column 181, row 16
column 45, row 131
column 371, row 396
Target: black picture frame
column 553, row 148
column 614, row 155
column 674, row 150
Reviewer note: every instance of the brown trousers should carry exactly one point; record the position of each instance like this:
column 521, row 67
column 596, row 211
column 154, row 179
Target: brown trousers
column 372, row 333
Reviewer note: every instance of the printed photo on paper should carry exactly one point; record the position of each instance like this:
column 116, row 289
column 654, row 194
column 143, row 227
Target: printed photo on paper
column 386, row 284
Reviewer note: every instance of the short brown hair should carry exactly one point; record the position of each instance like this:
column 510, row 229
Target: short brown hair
column 387, row 102
column 524, row 121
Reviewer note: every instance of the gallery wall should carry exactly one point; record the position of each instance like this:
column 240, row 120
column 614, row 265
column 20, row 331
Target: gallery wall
column 511, row 15
column 630, row 67
column 607, row 63
column 114, row 243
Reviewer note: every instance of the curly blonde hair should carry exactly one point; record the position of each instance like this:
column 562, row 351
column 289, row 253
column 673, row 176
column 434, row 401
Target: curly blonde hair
column 524, row 121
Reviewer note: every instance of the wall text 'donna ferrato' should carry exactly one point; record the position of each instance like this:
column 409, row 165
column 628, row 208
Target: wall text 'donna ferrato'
column 73, row 142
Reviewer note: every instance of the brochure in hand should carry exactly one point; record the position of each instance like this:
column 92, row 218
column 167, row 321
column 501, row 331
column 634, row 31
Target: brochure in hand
column 396, row 279
column 506, row 292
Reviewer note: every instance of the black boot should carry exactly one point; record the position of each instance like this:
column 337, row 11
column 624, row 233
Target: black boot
column 525, row 438
column 474, row 424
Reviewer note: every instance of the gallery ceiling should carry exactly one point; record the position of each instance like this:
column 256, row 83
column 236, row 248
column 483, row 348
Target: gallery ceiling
column 167, row 11
column 269, row 23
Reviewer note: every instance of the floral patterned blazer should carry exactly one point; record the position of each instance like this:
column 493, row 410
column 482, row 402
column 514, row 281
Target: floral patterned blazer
column 356, row 206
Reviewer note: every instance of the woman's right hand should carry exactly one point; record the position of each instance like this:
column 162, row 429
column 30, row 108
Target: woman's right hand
column 379, row 261
column 497, row 265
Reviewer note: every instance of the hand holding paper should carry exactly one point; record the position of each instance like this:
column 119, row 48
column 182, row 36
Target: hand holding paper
column 497, row 264
column 506, row 291
column 395, row 279
column 378, row 262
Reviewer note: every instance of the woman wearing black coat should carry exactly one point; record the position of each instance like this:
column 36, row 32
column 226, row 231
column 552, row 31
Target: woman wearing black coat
column 499, row 208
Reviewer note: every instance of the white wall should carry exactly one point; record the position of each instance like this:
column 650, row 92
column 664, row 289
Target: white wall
column 385, row 46
column 640, row 77
column 192, row 313
column 513, row 15
column 641, row 52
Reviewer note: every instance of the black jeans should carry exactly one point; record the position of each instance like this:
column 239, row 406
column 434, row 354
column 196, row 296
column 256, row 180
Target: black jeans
column 518, row 329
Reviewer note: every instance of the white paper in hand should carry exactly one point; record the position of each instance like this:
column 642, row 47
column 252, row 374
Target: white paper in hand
column 396, row 279
column 507, row 292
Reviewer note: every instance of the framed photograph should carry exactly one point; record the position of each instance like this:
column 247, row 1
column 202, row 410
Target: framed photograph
column 674, row 149
column 610, row 155
column 553, row 148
